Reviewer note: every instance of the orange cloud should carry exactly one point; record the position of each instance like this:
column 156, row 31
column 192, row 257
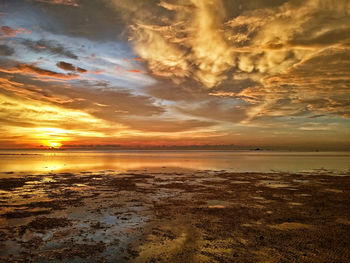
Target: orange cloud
column 35, row 71
column 134, row 71
column 7, row 31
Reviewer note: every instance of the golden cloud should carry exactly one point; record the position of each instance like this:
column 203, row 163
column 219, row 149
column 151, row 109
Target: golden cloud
column 281, row 49
column 191, row 44
column 198, row 39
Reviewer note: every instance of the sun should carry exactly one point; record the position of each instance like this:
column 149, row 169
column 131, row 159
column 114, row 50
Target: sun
column 52, row 144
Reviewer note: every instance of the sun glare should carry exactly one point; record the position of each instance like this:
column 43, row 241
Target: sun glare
column 52, row 144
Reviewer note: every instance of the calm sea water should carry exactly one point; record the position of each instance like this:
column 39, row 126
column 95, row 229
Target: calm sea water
column 240, row 161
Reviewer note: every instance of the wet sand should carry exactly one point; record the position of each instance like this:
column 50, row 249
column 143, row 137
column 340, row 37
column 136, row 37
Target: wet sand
column 193, row 216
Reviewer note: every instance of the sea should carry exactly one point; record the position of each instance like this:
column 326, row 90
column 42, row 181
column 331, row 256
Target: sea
column 56, row 161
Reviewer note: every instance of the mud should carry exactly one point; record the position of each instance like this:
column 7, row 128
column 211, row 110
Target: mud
column 199, row 216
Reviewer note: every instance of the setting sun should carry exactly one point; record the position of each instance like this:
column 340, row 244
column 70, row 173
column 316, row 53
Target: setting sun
column 52, row 144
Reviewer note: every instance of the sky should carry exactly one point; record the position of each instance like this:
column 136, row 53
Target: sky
column 252, row 73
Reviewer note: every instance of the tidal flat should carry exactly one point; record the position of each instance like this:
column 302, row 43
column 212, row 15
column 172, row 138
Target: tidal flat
column 175, row 216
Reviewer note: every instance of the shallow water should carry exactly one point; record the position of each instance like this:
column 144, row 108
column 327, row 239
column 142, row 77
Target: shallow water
column 239, row 161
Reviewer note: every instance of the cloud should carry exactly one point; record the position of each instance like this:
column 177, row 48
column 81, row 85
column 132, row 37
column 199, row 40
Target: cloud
column 8, row 31
column 165, row 125
column 65, row 66
column 318, row 84
column 113, row 113
column 286, row 60
column 111, row 104
column 35, row 120
column 39, row 72
column 60, row 2
column 6, row 50
column 30, row 91
column 189, row 91
column 49, row 46
column 134, row 71
column 70, row 67
column 185, row 46
column 239, row 71
column 222, row 94
column 64, row 112
column 216, row 109
column 81, row 70
column 280, row 58
column 48, row 111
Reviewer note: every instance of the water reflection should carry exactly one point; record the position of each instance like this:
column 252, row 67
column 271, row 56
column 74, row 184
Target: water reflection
column 73, row 161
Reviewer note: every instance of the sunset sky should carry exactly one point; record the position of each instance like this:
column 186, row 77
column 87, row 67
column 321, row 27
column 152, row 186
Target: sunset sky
column 267, row 73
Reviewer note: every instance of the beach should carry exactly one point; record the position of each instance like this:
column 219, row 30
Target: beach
column 175, row 215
